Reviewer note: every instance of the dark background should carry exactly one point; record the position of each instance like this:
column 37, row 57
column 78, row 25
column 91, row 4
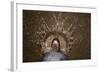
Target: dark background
column 81, row 48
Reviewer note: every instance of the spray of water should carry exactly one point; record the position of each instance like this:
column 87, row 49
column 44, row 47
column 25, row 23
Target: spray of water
column 59, row 24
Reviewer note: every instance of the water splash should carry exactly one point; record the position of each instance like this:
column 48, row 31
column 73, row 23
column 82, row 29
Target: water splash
column 56, row 23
